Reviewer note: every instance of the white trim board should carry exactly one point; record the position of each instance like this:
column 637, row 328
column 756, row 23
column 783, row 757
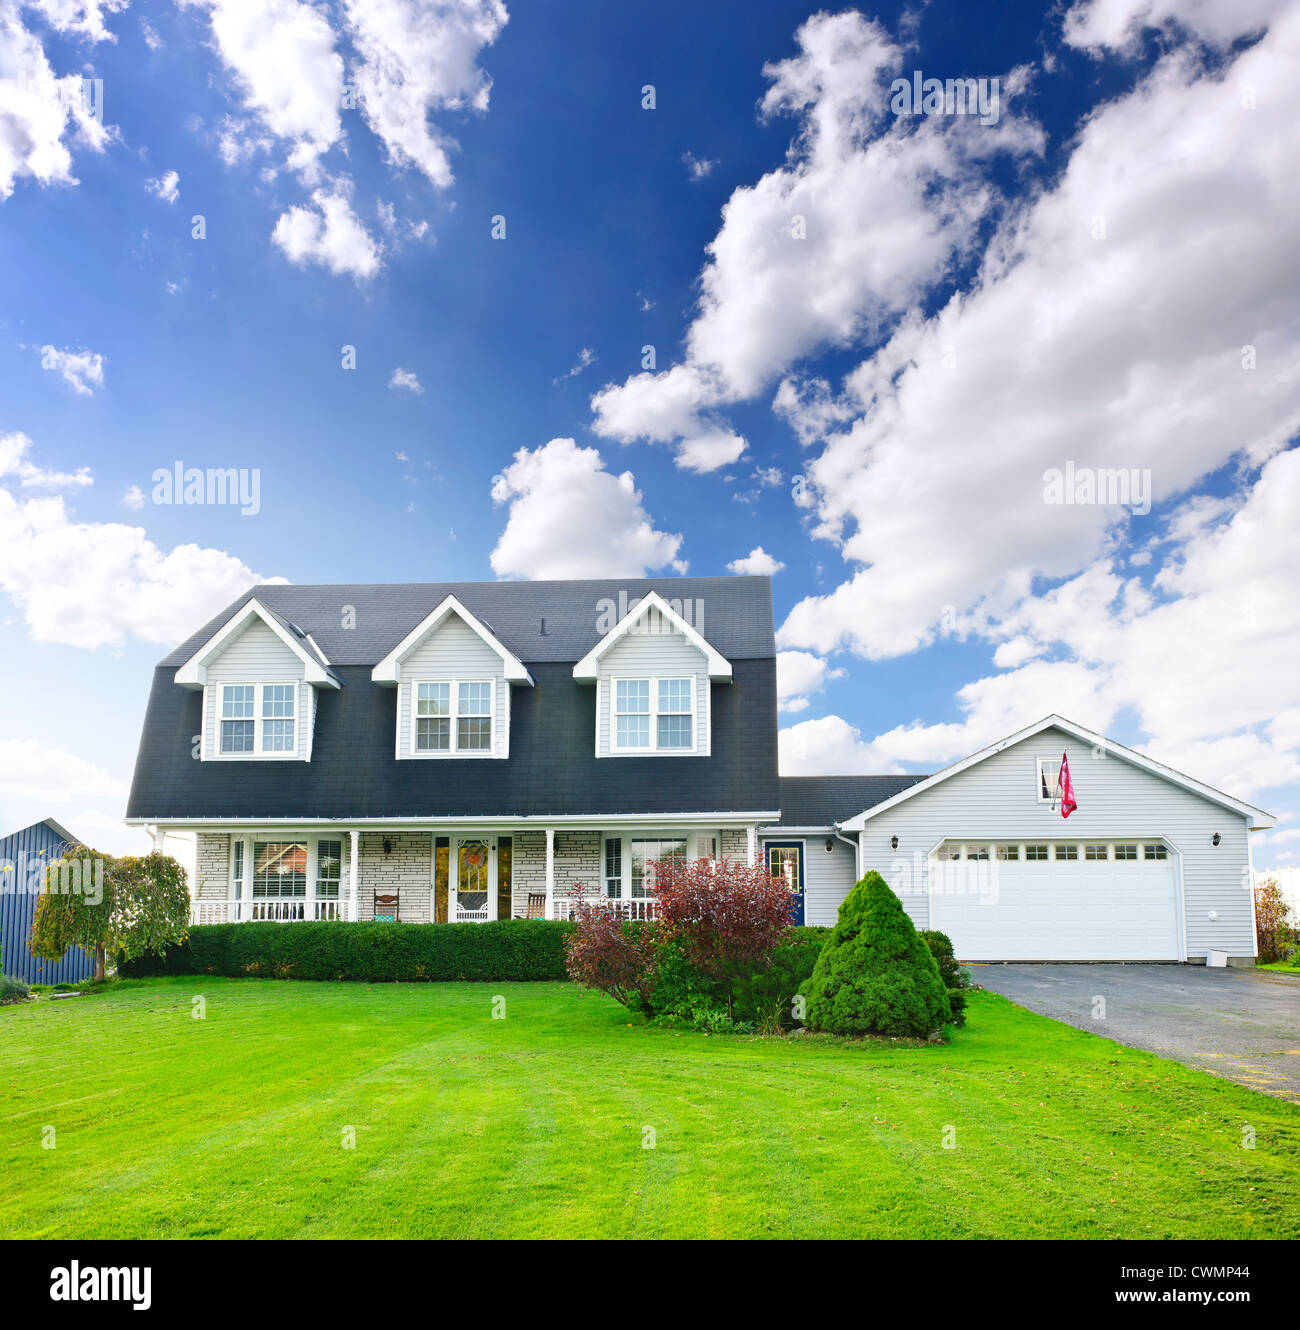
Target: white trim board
column 194, row 673
column 1256, row 818
column 389, row 670
column 587, row 669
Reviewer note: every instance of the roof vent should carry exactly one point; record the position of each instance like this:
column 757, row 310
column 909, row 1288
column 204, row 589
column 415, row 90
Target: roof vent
column 295, row 628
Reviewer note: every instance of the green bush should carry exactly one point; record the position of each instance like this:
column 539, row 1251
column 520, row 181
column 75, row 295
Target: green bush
column 954, row 977
column 500, row 950
column 766, row 996
column 875, row 975
column 13, row 989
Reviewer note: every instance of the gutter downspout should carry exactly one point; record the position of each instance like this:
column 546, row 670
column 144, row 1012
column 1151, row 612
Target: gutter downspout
column 856, row 846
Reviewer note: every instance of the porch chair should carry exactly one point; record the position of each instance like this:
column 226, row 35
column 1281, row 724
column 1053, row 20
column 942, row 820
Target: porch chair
column 387, row 908
column 536, row 905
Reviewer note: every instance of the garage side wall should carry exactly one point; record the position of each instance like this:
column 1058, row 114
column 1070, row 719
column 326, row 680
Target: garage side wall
column 997, row 800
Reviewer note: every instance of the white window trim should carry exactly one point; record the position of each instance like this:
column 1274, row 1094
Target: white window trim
column 1038, row 780
column 627, row 835
column 453, row 715
column 294, row 836
column 212, row 742
column 652, row 748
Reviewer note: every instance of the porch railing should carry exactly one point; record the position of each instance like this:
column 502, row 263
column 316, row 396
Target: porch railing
column 215, row 911
column 643, row 908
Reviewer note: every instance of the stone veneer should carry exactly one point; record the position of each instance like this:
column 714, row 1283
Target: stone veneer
column 211, row 865
column 407, row 869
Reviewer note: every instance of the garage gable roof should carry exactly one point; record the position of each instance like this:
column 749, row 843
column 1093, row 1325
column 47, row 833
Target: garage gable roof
column 1258, row 819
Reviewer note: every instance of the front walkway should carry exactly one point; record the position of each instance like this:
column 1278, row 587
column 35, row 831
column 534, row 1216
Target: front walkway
column 1243, row 1025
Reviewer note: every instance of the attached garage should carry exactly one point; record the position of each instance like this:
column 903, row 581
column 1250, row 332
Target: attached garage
column 1058, row 900
column 1151, row 865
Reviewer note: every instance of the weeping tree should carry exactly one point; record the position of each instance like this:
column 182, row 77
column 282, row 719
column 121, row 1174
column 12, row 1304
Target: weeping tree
column 110, row 907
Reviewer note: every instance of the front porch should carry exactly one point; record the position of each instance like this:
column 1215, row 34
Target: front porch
column 437, row 874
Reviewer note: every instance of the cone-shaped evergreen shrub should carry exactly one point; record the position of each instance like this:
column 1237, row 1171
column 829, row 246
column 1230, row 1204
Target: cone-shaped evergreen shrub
column 875, row 975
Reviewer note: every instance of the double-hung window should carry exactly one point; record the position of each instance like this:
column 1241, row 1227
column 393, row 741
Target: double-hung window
column 453, row 717
column 258, row 718
column 654, row 715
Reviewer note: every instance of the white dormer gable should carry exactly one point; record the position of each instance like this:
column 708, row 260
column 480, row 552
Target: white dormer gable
column 259, row 680
column 653, row 671
column 650, row 615
column 193, row 674
column 453, row 678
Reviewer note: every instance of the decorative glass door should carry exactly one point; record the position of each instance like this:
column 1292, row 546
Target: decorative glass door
column 785, row 859
column 473, row 890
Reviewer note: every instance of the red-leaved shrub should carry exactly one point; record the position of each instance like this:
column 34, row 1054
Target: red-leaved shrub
column 726, row 915
column 604, row 954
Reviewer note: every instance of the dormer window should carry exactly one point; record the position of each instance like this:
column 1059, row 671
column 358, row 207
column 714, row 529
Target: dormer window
column 453, row 716
column 259, row 718
column 654, row 715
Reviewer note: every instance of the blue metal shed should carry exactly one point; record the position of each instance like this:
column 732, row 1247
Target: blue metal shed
column 23, row 856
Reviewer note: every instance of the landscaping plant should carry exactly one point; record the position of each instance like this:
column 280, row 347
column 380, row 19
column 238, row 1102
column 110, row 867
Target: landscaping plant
column 875, row 974
column 110, row 907
column 1271, row 933
column 718, row 924
column 955, row 979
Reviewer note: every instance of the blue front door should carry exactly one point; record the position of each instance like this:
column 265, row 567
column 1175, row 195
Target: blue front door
column 785, row 859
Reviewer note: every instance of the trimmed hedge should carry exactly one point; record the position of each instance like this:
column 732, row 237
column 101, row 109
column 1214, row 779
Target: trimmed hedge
column 500, row 950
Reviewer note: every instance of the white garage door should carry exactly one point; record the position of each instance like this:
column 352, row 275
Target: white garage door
column 1057, row 901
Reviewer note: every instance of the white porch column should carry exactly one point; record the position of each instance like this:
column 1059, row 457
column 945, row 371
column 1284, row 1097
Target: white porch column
column 550, row 872
column 751, row 843
column 354, row 901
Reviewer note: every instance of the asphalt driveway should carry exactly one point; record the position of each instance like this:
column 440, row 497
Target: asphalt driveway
column 1243, row 1025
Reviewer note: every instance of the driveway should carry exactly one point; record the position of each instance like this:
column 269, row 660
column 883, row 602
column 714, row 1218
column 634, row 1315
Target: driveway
column 1243, row 1025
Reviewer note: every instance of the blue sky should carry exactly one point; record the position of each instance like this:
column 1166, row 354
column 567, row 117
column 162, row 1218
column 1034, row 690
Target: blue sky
column 873, row 336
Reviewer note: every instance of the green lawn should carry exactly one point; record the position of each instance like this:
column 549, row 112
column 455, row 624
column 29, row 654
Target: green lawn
column 232, row 1126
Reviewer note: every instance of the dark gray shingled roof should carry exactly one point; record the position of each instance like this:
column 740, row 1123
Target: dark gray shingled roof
column 735, row 614
column 822, row 801
column 552, row 768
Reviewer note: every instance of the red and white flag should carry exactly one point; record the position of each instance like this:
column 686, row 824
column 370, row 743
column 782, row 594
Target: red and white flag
column 1068, row 804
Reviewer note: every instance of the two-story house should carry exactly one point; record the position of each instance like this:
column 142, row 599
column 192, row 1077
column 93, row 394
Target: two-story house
column 470, row 751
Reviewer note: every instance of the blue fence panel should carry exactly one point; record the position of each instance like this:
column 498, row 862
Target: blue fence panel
column 22, row 873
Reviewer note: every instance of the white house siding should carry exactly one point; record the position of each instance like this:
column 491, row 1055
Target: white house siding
column 454, row 651
column 653, row 655
column 827, row 877
column 996, row 800
column 257, row 655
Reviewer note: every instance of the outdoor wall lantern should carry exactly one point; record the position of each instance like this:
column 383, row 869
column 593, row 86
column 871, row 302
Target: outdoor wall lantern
column 1215, row 839
column 830, row 845
column 893, row 842
column 388, row 847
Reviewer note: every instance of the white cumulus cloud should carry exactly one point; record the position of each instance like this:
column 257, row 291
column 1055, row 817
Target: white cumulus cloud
column 569, row 517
